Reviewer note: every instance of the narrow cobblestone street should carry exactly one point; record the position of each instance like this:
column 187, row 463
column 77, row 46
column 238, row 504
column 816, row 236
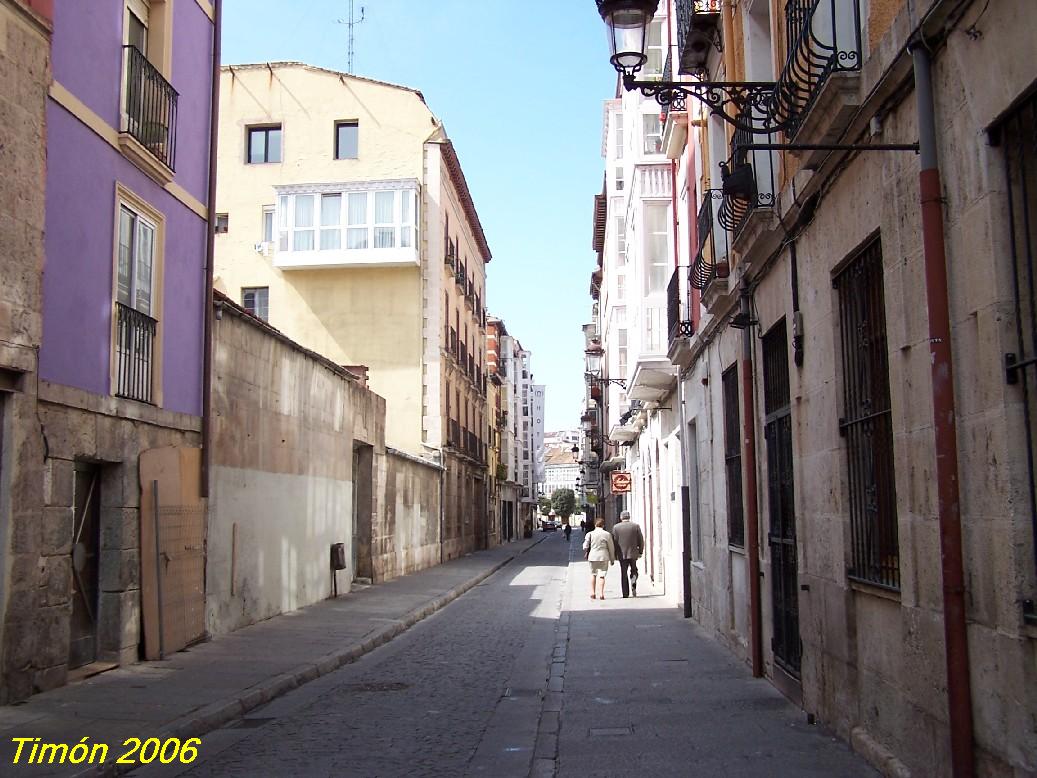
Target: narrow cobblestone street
column 525, row 674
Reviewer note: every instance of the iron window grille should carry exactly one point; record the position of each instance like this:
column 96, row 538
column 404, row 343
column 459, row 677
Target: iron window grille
column 867, row 421
column 678, row 306
column 704, row 268
column 733, row 458
column 151, row 107
column 135, row 346
column 1016, row 135
column 781, row 536
column 734, row 212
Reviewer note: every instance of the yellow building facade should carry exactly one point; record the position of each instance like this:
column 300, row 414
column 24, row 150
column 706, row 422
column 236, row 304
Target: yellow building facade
column 345, row 222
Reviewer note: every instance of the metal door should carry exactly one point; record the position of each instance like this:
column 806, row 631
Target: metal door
column 85, row 567
column 785, row 642
column 354, row 544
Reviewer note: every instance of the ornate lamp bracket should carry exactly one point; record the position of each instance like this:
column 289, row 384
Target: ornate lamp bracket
column 746, row 105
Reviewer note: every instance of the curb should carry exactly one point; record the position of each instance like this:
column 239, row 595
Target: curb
column 215, row 715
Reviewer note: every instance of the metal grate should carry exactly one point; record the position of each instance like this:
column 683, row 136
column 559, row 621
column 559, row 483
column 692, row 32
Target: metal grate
column 785, row 642
column 824, row 37
column 867, row 420
column 135, row 346
column 1017, row 135
column 678, row 306
column 733, row 458
column 150, row 107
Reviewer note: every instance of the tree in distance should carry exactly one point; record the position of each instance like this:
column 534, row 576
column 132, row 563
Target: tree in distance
column 545, row 505
column 564, row 503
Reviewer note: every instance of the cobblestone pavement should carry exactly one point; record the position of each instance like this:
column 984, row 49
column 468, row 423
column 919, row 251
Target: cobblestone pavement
column 424, row 703
column 526, row 675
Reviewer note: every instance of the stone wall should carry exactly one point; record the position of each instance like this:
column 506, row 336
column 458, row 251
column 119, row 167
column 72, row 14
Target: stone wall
column 24, row 79
column 285, row 423
column 406, row 530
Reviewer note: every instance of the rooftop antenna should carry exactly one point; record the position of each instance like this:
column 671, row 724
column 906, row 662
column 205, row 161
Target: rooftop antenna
column 351, row 22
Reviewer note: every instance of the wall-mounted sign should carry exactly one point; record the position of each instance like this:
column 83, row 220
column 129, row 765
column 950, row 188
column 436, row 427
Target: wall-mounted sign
column 620, row 481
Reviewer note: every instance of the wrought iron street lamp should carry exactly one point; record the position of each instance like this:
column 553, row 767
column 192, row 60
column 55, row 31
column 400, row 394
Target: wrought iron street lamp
column 748, row 105
column 593, row 377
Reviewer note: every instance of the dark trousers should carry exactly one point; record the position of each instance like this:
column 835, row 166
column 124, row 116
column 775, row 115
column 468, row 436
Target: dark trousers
column 628, row 570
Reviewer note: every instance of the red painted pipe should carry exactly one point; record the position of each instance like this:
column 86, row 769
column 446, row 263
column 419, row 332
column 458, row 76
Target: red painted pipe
column 959, row 687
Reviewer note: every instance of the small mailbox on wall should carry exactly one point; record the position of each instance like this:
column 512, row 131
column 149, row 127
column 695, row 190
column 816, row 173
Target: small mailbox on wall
column 338, row 556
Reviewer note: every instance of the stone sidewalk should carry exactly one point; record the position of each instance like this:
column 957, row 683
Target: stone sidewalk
column 639, row 690
column 197, row 690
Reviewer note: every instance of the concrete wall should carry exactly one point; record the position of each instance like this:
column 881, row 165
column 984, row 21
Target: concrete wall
column 406, row 527
column 285, row 425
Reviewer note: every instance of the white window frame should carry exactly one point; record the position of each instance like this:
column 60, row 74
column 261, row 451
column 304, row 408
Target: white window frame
column 403, row 224
column 259, row 311
column 647, row 136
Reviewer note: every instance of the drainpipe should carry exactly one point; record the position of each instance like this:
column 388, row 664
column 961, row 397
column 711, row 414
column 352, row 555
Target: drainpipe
column 210, row 248
column 959, row 691
column 685, row 497
column 752, row 519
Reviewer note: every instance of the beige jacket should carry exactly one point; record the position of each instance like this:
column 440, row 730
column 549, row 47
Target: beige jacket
column 601, row 546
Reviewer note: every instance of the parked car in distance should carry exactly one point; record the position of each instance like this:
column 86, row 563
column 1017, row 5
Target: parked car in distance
column 548, row 525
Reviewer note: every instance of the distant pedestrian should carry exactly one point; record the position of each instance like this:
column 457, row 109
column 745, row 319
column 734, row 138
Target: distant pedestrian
column 600, row 550
column 630, row 544
column 568, row 530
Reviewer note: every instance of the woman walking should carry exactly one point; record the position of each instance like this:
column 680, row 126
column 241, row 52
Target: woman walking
column 600, row 550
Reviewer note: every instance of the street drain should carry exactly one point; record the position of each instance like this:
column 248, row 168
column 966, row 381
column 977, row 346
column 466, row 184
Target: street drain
column 386, row 686
column 611, row 731
column 248, row 723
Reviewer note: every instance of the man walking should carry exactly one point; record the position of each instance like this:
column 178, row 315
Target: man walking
column 630, row 544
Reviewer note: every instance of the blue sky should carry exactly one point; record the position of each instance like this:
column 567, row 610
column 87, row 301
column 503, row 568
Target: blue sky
column 519, row 85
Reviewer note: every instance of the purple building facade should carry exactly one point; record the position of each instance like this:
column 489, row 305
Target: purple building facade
column 124, row 305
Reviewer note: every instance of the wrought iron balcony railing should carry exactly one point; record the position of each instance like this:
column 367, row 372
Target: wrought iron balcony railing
column 698, row 29
column 678, row 305
column 150, row 107
column 135, row 354
column 823, row 37
column 735, row 210
column 704, row 267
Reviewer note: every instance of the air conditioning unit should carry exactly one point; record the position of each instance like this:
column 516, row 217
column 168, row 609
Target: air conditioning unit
column 265, row 248
column 259, row 247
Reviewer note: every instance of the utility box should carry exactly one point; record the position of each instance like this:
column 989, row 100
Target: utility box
column 338, row 556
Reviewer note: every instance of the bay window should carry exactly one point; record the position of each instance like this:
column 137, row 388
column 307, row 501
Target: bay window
column 373, row 219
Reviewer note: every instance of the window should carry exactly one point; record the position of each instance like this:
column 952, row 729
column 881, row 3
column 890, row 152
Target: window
column 268, row 224
column 256, row 300
column 136, row 260
column 619, row 136
column 619, row 178
column 653, row 133
column 137, row 252
column 656, row 239
column 222, row 223
column 621, row 240
column 330, row 221
column 621, row 287
column 302, row 234
column 733, row 458
column 867, row 419
column 347, row 140
column 378, row 219
column 654, row 49
column 264, row 144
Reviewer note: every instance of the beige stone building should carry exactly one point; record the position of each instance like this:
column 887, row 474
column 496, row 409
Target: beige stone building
column 346, row 223
column 804, row 320
column 25, row 60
